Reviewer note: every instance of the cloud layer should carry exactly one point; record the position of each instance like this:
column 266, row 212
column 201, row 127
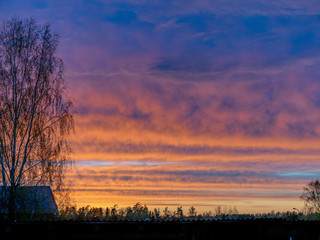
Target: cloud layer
column 211, row 102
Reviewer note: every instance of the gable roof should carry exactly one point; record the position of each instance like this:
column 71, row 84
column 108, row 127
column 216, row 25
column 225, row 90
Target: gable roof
column 31, row 199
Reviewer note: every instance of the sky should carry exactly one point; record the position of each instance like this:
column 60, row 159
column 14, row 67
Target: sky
column 181, row 102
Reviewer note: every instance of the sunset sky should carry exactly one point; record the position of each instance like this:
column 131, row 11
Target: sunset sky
column 180, row 102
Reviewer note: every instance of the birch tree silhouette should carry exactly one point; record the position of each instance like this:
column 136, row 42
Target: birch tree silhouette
column 311, row 196
column 35, row 113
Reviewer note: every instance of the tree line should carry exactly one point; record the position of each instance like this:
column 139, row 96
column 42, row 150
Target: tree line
column 140, row 212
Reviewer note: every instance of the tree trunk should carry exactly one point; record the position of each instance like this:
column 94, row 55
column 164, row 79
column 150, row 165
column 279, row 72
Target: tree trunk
column 12, row 206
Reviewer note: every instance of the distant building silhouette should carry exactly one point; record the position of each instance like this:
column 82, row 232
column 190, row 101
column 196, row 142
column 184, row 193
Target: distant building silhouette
column 30, row 200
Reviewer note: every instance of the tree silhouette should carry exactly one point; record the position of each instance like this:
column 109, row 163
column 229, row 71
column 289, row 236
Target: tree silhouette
column 35, row 113
column 311, row 196
column 192, row 211
column 179, row 212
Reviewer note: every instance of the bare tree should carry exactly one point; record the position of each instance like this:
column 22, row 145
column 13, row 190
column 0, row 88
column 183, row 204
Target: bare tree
column 35, row 113
column 311, row 196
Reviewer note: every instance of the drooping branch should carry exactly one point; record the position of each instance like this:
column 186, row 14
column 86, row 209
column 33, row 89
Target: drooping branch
column 35, row 117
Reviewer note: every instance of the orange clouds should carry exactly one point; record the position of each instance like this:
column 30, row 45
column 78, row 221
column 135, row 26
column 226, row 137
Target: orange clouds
column 200, row 111
column 186, row 183
column 205, row 144
column 196, row 119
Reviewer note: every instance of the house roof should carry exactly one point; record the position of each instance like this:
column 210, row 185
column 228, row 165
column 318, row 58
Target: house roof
column 32, row 199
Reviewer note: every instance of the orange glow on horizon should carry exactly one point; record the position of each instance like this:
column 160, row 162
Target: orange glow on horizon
column 141, row 137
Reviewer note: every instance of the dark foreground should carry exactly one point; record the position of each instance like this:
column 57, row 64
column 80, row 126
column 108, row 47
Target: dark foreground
column 242, row 229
